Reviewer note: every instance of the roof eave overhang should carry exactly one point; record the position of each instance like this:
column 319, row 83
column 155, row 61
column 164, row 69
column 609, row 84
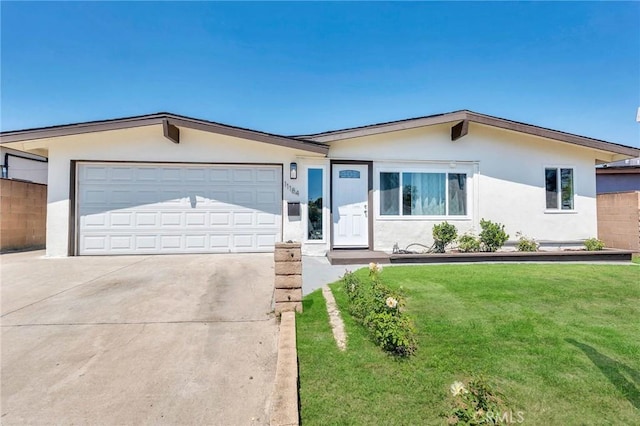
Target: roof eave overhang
column 470, row 116
column 386, row 127
column 158, row 119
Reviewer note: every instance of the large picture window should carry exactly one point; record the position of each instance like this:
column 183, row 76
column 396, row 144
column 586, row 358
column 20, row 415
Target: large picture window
column 559, row 188
column 423, row 194
column 315, row 221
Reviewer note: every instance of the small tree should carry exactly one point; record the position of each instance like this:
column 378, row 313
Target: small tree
column 443, row 235
column 492, row 235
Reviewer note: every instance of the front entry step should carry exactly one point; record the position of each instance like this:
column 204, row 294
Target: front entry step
column 357, row 257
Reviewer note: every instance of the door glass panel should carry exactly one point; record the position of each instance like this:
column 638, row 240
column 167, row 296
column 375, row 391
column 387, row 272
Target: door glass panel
column 314, row 202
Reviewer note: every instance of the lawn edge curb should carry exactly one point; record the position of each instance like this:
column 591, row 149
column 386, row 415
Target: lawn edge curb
column 285, row 410
column 335, row 319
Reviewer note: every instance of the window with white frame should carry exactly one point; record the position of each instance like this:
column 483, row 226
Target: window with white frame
column 559, row 188
column 423, row 194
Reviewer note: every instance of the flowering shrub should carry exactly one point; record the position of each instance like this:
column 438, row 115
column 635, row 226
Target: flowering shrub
column 378, row 308
column 374, row 268
column 475, row 403
column 526, row 244
column 391, row 303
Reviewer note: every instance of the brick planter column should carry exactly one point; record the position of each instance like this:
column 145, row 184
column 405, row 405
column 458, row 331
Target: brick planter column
column 288, row 280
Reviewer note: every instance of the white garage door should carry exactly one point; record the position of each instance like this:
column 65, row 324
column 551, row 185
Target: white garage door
column 148, row 209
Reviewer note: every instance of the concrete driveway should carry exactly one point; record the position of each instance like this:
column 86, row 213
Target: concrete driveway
column 183, row 339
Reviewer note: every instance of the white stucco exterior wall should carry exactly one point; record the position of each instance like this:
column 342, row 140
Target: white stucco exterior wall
column 506, row 172
column 147, row 144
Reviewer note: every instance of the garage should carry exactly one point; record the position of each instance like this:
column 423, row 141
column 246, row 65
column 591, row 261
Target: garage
column 129, row 208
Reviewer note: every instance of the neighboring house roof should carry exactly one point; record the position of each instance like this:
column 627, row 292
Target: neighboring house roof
column 464, row 117
column 622, row 164
column 166, row 119
column 630, row 166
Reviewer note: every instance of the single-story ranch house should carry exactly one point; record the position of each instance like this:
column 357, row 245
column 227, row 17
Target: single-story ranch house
column 165, row 183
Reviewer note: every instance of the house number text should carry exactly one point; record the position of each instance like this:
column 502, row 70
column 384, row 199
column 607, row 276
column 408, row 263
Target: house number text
column 291, row 188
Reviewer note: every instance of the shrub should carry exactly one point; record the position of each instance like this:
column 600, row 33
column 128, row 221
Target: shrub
column 492, row 235
column 468, row 243
column 443, row 235
column 378, row 308
column 593, row 244
column 526, row 244
column 477, row 403
column 394, row 333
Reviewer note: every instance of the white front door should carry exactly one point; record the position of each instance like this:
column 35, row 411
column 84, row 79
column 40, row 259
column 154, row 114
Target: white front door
column 350, row 205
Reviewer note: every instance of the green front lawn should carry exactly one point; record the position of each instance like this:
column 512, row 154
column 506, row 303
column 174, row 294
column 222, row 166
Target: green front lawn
column 561, row 342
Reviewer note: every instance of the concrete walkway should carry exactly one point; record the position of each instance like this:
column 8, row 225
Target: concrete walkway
column 318, row 272
column 186, row 340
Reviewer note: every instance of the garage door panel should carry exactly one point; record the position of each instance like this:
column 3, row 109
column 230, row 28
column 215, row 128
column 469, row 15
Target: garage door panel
column 243, row 219
column 265, row 219
column 196, row 219
column 150, row 209
column 125, row 174
column 243, row 198
column 147, row 243
column 94, row 173
column 243, row 176
column 195, row 175
column 121, row 242
column 196, row 242
column 220, row 219
column 121, row 219
column 267, row 175
column 170, row 174
column 94, row 221
column 171, row 219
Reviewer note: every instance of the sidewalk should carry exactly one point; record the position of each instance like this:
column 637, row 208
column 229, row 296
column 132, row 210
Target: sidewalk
column 317, row 272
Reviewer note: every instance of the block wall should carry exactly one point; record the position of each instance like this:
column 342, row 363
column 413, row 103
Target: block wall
column 619, row 220
column 288, row 280
column 23, row 215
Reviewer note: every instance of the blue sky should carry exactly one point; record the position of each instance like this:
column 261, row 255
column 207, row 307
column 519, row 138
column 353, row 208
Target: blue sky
column 295, row 68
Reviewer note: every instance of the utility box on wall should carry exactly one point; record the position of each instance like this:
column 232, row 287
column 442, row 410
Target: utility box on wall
column 293, row 209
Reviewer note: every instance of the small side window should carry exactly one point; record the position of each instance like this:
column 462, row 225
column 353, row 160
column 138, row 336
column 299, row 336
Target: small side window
column 389, row 194
column 559, row 188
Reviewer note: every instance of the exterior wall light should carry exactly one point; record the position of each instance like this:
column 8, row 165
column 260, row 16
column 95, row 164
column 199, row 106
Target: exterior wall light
column 293, row 171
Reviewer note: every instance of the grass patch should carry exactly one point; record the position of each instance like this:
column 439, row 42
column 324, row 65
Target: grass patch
column 559, row 341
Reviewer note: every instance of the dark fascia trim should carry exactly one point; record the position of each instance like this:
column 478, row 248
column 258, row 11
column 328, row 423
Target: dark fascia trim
column 470, row 116
column 153, row 119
